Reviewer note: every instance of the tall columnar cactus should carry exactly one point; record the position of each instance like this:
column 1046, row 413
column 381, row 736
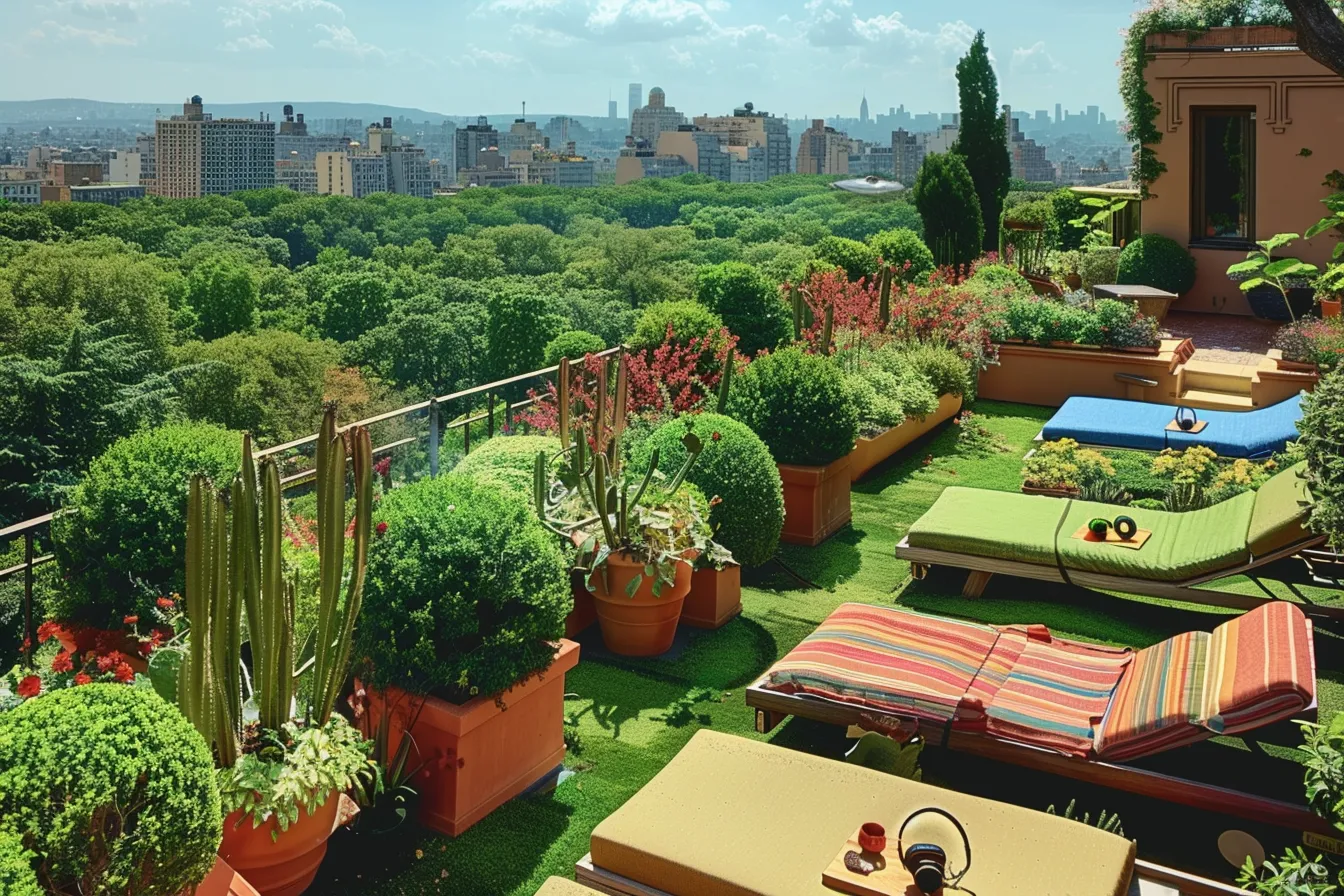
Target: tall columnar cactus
column 796, row 300
column 726, row 380
column 200, row 691
column 273, row 639
column 827, row 329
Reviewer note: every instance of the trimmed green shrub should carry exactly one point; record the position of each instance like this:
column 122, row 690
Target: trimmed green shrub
column 1100, row 266
column 954, row 226
column 853, row 257
column 572, row 344
column 1322, row 444
column 903, row 249
column 123, row 541
column 947, row 371
column 749, row 305
column 799, row 406
column 508, row 461
column 1157, row 261
column 112, row 789
column 999, row 276
column 17, row 877
column 464, row 589
column 735, row 466
column 688, row 320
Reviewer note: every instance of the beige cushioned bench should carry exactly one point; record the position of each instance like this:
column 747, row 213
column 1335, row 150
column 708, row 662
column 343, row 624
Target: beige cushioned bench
column 558, row 886
column 734, row 817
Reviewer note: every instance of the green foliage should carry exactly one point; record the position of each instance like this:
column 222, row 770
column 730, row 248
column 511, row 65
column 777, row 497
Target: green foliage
column 688, row 320
column 508, row 461
column 1064, row 464
column 316, row 764
column 572, row 344
column 1157, row 261
column 735, row 466
column 1108, row 823
column 353, row 303
column 1068, row 206
column 223, row 292
column 946, row 370
column 425, row 347
column 268, row 383
column 122, row 543
column 905, row 251
column 945, row 194
column 1322, row 444
column 983, row 139
column 851, row 256
column 518, row 330
column 748, row 304
column 1100, row 266
column 799, row 406
column 1292, row 875
column 1108, row 323
column 1000, row 277
column 17, row 877
column 111, row 789
column 1261, row 268
column 464, row 589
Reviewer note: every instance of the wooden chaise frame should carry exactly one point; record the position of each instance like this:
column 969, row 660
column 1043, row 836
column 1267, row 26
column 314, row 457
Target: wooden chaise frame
column 984, row 568
column 773, row 707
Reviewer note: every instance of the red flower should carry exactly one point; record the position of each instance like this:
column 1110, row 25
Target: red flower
column 82, row 678
column 382, row 528
column 110, row 661
column 124, row 673
column 30, row 687
column 46, row 631
column 717, row 436
column 383, row 467
column 130, row 620
column 166, row 603
column 62, row 663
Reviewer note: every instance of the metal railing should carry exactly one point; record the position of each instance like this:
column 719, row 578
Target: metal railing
column 431, row 410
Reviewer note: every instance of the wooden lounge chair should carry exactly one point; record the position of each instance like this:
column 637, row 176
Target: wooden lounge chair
column 1035, row 537
column 1018, row 694
column 730, row 815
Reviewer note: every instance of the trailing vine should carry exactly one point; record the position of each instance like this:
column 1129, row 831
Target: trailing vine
column 1189, row 17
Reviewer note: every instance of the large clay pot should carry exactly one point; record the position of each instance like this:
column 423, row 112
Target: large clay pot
column 584, row 613
column 476, row 756
column 642, row 625
column 715, row 597
column 222, row 881
column 1330, row 307
column 284, row 866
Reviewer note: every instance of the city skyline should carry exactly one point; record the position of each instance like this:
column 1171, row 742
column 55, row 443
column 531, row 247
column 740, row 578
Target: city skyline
column 805, row 59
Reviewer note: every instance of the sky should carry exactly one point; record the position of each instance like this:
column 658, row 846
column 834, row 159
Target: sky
column 813, row 58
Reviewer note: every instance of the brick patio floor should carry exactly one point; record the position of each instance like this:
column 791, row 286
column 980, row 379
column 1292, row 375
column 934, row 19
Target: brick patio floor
column 1225, row 338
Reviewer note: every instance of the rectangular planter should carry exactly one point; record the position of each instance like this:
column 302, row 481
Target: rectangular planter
column 483, row 753
column 868, row 453
column 584, row 613
column 1030, row 374
column 816, row 501
column 715, row 597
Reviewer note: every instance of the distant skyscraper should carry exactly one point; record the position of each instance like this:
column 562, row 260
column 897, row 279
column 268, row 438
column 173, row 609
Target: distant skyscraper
column 1059, row 113
column 823, row 150
column 611, row 110
column 746, row 129
column 469, row 142
column 863, row 110
column 636, row 99
column 655, row 118
column 198, row 155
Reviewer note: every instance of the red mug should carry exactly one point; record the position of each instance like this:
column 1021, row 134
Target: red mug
column 873, row 837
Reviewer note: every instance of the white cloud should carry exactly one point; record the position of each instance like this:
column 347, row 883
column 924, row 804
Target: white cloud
column 109, row 10
column 105, row 38
column 1034, row 60
column 477, row 57
column 639, row 21
column 341, row 39
column 246, row 42
column 251, row 13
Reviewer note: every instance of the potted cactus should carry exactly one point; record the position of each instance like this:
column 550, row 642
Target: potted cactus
column 637, row 535
column 283, row 776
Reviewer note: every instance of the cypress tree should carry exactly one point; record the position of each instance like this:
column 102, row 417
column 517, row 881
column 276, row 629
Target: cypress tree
column 983, row 140
column 946, row 200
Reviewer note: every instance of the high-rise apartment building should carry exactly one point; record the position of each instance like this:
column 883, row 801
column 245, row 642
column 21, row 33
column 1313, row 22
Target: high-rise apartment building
column 144, row 145
column 356, row 174
column 296, row 174
column 524, row 135
column 121, row 166
column 408, row 172
column 746, row 127
column 469, row 142
column 655, row 118
column 611, row 110
column 636, row 99
column 823, row 150
column 199, row 155
column 907, row 155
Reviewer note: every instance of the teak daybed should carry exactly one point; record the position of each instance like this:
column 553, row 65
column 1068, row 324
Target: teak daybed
column 1020, row 695
column 1035, row 537
column 1141, row 425
column 730, row 816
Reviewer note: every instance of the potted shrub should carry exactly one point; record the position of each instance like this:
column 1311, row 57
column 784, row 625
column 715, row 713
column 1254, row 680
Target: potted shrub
column 1330, row 285
column 105, row 789
column 799, row 406
column 1059, row 469
column 735, row 470
column 460, row 643
column 1276, row 288
column 282, row 778
column 1157, row 261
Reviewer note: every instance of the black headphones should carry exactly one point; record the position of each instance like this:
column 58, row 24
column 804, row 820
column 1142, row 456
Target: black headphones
column 1186, row 418
column 927, row 862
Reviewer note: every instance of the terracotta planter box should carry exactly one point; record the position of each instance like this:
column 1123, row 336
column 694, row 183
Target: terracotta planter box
column 1298, row 366
column 584, row 613
column 1081, row 347
column 715, row 597
column 1032, row 374
column 222, row 881
column 287, row 865
column 816, row 501
column 1052, row 492
column 868, row 453
column 483, row 753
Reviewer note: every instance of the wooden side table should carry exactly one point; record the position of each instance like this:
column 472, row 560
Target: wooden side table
column 1153, row 302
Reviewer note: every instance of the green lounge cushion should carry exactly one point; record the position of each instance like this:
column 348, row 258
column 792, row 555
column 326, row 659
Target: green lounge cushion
column 999, row 525
column 1183, row 545
column 1281, row 507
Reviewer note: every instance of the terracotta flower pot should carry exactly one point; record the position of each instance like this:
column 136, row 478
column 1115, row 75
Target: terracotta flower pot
column 1073, row 281
column 816, row 501
column 479, row 755
column 715, row 597
column 222, row 881
column 642, row 625
column 584, row 613
column 284, row 866
column 1330, row 307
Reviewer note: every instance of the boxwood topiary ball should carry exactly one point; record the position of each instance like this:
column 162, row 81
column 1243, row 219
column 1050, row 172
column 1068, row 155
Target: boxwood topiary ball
column 112, row 789
column 799, row 406
column 736, row 466
column 1157, row 261
column 508, row 461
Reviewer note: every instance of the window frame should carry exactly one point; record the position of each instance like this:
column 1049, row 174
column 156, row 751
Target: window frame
column 1199, row 116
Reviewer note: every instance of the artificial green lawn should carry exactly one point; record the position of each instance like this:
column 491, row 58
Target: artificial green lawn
column 620, row 704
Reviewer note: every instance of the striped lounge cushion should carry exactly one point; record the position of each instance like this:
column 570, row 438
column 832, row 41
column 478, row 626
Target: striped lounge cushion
column 888, row 660
column 1057, row 692
column 1252, row 671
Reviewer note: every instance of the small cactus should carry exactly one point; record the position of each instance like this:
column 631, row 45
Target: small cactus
column 1108, row 823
